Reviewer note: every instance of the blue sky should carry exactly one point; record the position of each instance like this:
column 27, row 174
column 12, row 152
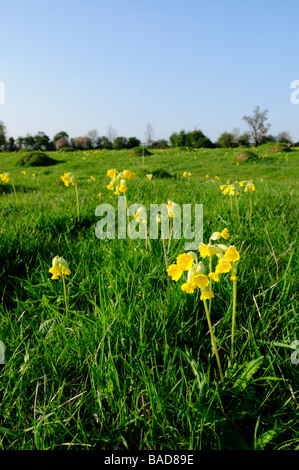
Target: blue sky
column 80, row 65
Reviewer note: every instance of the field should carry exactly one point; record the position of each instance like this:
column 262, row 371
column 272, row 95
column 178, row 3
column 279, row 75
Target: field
column 122, row 357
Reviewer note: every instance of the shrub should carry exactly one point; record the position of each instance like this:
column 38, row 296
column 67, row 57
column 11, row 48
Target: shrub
column 36, row 159
column 139, row 151
column 244, row 156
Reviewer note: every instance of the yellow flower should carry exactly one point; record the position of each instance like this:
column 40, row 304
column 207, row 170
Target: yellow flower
column 225, row 234
column 149, row 177
column 123, row 188
column 126, row 174
column 217, row 235
column 59, row 267
column 232, row 254
column 206, row 294
column 175, row 272
column 188, row 287
column 201, row 280
column 223, row 266
column 172, row 208
column 68, row 178
column 110, row 187
column 185, row 174
column 184, row 262
column 204, row 251
column 233, row 278
column 4, row 177
column 214, row 276
column 111, row 173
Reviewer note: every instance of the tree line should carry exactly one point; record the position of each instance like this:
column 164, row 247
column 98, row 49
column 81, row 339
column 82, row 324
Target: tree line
column 257, row 134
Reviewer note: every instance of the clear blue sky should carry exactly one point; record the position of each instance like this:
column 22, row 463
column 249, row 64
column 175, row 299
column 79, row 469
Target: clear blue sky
column 80, row 65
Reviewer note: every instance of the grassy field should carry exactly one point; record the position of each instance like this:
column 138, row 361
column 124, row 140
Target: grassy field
column 129, row 363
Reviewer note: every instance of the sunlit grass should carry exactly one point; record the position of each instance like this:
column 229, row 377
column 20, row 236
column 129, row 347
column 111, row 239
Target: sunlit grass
column 130, row 365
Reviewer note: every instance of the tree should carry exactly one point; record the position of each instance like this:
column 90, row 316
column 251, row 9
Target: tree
column 133, row 142
column 60, row 135
column 2, row 135
column 82, row 143
column 111, row 134
column 94, row 136
column 11, row 146
column 225, row 140
column 120, row 143
column 42, row 141
column 149, row 134
column 257, row 125
column 284, row 138
column 61, row 143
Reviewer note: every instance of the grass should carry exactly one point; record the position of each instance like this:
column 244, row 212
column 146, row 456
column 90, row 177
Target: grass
column 130, row 365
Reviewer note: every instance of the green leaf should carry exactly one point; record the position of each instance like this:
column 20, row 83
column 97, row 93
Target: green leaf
column 247, row 372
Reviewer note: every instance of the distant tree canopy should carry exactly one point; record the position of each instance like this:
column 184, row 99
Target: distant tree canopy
column 257, row 134
column 194, row 139
column 257, row 125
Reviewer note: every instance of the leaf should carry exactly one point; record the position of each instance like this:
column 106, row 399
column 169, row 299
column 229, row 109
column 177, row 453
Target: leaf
column 246, row 375
column 266, row 437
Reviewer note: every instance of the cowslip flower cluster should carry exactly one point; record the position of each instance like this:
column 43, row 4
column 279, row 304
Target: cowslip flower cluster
column 4, row 177
column 227, row 256
column 149, row 176
column 172, row 208
column 68, row 179
column 118, row 180
column 186, row 174
column 59, row 267
column 229, row 189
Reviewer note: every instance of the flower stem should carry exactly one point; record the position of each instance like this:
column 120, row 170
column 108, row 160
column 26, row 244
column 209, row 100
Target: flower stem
column 64, row 291
column 237, row 207
column 233, row 317
column 231, row 206
column 77, row 197
column 213, row 341
column 14, row 190
column 250, row 210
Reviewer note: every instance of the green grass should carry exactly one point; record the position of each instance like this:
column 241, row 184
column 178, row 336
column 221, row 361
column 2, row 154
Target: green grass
column 130, row 365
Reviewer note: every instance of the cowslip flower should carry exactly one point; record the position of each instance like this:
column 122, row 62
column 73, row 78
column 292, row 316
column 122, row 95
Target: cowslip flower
column 68, row 179
column 118, row 180
column 196, row 279
column 4, row 177
column 149, row 176
column 59, row 267
column 172, row 209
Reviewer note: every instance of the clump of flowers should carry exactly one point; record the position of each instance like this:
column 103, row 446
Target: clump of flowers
column 186, row 174
column 5, row 177
column 149, row 176
column 118, row 180
column 69, row 179
column 201, row 278
column 61, row 268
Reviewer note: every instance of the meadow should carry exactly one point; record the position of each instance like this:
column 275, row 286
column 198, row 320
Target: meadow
column 122, row 357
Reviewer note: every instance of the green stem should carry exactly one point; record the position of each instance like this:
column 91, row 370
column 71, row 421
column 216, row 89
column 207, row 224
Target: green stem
column 64, row 291
column 14, row 190
column 213, row 341
column 233, row 317
column 231, row 206
column 237, row 207
column 250, row 211
column 78, row 208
